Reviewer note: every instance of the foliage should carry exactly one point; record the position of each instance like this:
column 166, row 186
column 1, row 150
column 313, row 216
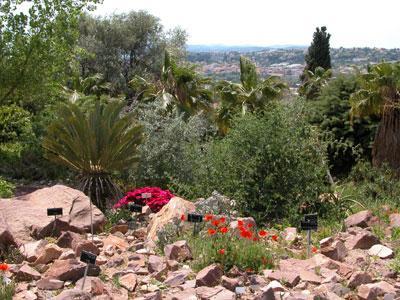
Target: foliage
column 6, row 290
column 180, row 89
column 249, row 251
column 251, row 94
column 124, row 45
column 348, row 141
column 379, row 95
column 115, row 216
column 6, row 189
column 15, row 124
column 156, row 198
column 36, row 43
column 163, row 152
column 94, row 145
column 313, row 82
column 271, row 164
column 318, row 54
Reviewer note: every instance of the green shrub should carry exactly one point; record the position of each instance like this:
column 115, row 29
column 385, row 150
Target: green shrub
column 15, row 124
column 6, row 290
column 6, row 189
column 115, row 216
column 272, row 164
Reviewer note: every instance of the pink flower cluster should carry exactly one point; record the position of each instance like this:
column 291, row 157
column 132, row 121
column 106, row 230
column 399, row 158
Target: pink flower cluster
column 157, row 198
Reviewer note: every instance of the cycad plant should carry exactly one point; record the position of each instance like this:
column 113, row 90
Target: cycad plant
column 94, row 145
column 251, row 94
column 379, row 94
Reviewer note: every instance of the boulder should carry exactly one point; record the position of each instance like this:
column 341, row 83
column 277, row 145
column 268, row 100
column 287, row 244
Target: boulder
column 359, row 278
column 361, row 219
column 66, row 270
column 77, row 243
column 216, row 204
column 230, row 283
column 362, row 240
column 49, row 253
column 128, row 281
column 26, row 273
column 381, row 251
column 27, row 215
column 172, row 211
column 179, row 251
column 209, row 276
column 335, row 251
column 6, row 236
column 32, row 250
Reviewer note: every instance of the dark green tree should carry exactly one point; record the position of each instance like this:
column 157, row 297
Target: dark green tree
column 318, row 54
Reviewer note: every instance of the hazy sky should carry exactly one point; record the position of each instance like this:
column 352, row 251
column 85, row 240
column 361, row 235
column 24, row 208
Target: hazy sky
column 352, row 23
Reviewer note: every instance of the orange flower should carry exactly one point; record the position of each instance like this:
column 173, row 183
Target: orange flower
column 314, row 249
column 208, row 217
column 3, row 267
column 224, row 230
column 274, row 237
column 222, row 219
column 250, row 225
column 262, row 233
column 249, row 270
column 215, row 223
column 183, row 218
column 221, row 251
column 211, row 231
column 240, row 223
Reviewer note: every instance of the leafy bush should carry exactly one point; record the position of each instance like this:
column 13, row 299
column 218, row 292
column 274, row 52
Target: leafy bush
column 15, row 124
column 272, row 164
column 6, row 189
column 6, row 290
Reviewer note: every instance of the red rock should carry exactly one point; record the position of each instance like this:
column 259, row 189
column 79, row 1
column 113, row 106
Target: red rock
column 26, row 273
column 267, row 295
column 50, row 253
column 85, row 245
column 74, row 294
column 188, row 294
column 49, row 284
column 128, row 281
column 172, row 265
column 209, row 276
column 123, row 228
column 77, row 243
column 179, row 251
column 6, row 236
column 360, row 219
column 27, row 215
column 69, row 254
column 66, row 270
column 93, row 285
column 116, row 243
column 156, row 264
column 177, row 277
column 290, row 279
column 230, row 283
column 359, row 278
column 362, row 240
column 214, row 293
column 394, row 220
column 32, row 250
column 335, row 251
column 372, row 291
column 310, row 277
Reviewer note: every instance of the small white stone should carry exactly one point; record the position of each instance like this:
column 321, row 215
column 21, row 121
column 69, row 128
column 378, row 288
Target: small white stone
column 380, row 251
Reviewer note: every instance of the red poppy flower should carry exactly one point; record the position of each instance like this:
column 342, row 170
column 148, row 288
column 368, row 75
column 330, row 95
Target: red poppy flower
column 183, row 218
column 208, row 217
column 224, row 230
column 262, row 233
column 215, row 223
column 222, row 219
column 240, row 223
column 3, row 267
column 274, row 237
column 314, row 249
column 250, row 225
column 255, row 239
column 221, row 251
column 211, row 231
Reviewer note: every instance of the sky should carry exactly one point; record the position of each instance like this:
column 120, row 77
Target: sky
column 352, row 23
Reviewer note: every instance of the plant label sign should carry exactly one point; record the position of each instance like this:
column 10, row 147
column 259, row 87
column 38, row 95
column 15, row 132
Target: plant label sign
column 310, row 222
column 55, row 211
column 88, row 257
column 195, row 218
column 146, row 195
column 133, row 207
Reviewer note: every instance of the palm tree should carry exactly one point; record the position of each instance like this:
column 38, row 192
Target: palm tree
column 94, row 145
column 250, row 94
column 379, row 95
column 180, row 89
column 314, row 82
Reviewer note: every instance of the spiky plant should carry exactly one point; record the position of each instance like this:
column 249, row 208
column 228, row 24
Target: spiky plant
column 94, row 145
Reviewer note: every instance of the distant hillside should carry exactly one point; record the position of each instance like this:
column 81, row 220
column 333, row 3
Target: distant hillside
column 242, row 49
column 286, row 62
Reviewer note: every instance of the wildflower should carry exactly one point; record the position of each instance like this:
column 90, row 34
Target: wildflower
column 208, row 217
column 240, row 223
column 255, row 239
column 314, row 249
column 222, row 219
column 246, row 234
column 183, row 218
column 3, row 267
column 224, row 230
column 249, row 270
column 274, row 237
column 262, row 233
column 250, row 225
column 211, row 231
column 221, row 251
column 215, row 223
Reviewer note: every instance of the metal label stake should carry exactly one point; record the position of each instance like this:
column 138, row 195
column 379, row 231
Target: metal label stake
column 196, row 219
column 55, row 211
column 310, row 223
column 88, row 258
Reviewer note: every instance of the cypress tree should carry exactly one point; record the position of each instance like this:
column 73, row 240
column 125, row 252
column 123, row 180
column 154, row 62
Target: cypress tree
column 318, row 54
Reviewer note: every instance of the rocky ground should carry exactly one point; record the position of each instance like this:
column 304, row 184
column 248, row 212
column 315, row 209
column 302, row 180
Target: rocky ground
column 354, row 264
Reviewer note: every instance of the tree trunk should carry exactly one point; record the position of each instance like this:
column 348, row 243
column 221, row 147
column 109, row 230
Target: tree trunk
column 386, row 148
